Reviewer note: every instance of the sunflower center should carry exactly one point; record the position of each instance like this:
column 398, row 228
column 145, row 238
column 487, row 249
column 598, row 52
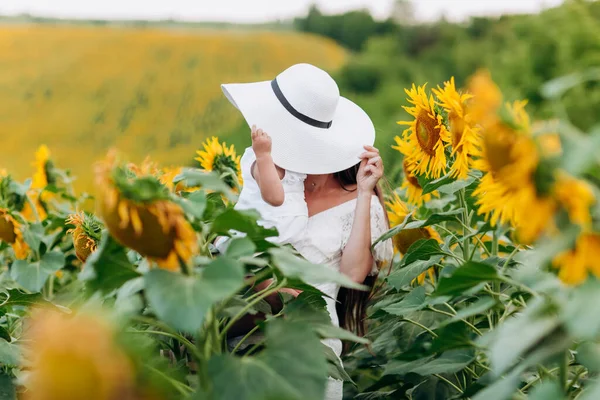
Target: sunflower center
column 427, row 132
column 498, row 149
column 406, row 238
column 409, row 176
column 457, row 127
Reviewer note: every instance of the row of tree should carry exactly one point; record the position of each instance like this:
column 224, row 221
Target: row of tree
column 521, row 51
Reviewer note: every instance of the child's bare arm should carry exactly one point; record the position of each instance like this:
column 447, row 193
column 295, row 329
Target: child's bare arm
column 267, row 174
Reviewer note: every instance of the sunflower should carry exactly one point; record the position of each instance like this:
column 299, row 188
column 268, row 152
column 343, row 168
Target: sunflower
column 75, row 357
column 575, row 264
column 86, row 234
column 423, row 142
column 138, row 213
column 42, row 177
column 510, row 160
column 397, row 213
column 414, row 191
column 11, row 232
column 465, row 137
column 42, row 165
column 221, row 159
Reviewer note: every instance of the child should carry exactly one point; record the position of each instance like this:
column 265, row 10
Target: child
column 277, row 194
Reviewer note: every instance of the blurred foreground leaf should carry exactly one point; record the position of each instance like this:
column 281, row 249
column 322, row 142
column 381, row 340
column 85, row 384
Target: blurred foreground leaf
column 182, row 301
column 292, row 367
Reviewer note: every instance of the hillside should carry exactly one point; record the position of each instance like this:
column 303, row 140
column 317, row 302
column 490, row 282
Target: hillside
column 82, row 90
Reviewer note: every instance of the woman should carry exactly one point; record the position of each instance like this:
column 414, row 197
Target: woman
column 346, row 216
column 315, row 131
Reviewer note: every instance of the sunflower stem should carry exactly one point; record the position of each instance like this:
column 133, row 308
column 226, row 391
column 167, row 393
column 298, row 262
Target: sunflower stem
column 51, row 287
column 496, row 285
column 466, row 222
column 263, row 294
column 185, row 269
column 563, row 372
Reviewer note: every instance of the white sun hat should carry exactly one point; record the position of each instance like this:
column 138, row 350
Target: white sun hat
column 313, row 129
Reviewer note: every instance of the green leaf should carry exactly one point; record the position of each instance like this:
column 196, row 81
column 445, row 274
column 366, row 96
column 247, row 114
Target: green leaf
column 517, row 335
column 432, row 186
column 547, row 390
column 281, row 371
column 336, row 370
column 465, row 277
column 579, row 318
column 588, row 355
column 10, row 354
column 7, row 388
column 447, row 363
column 33, row 276
column 435, row 219
column 33, row 236
column 4, row 334
column 240, row 247
column 295, row 267
column 194, row 204
column 502, row 389
column 405, row 275
column 108, row 268
column 591, row 392
column 16, row 297
column 309, row 308
column 182, row 301
column 555, row 88
column 392, row 232
column 422, row 249
column 207, row 180
column 241, row 221
column 479, row 307
column 414, row 301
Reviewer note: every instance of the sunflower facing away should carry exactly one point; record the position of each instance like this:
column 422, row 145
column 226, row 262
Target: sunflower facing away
column 397, row 213
column 507, row 192
column 86, row 234
column 464, row 134
column 423, row 142
column 518, row 186
column 75, row 357
column 138, row 213
column 221, row 159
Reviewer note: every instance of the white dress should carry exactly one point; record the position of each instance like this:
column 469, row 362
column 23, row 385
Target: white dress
column 290, row 218
column 326, row 236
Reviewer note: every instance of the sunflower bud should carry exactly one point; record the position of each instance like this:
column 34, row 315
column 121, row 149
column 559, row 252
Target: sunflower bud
column 86, row 234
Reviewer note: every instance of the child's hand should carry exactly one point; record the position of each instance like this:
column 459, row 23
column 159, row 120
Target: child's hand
column 261, row 142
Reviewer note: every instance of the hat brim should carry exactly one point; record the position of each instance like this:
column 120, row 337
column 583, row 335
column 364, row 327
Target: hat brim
column 298, row 146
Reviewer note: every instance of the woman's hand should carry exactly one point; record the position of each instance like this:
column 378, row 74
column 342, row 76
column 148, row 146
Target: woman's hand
column 370, row 171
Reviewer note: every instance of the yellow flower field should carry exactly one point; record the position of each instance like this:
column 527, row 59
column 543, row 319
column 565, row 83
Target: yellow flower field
column 82, row 90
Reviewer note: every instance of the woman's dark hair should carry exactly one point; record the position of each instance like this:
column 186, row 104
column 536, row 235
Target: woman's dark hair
column 352, row 304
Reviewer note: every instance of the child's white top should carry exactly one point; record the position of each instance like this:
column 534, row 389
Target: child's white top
column 294, row 204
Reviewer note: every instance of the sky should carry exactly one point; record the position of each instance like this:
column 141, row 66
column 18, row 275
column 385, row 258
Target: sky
column 257, row 10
